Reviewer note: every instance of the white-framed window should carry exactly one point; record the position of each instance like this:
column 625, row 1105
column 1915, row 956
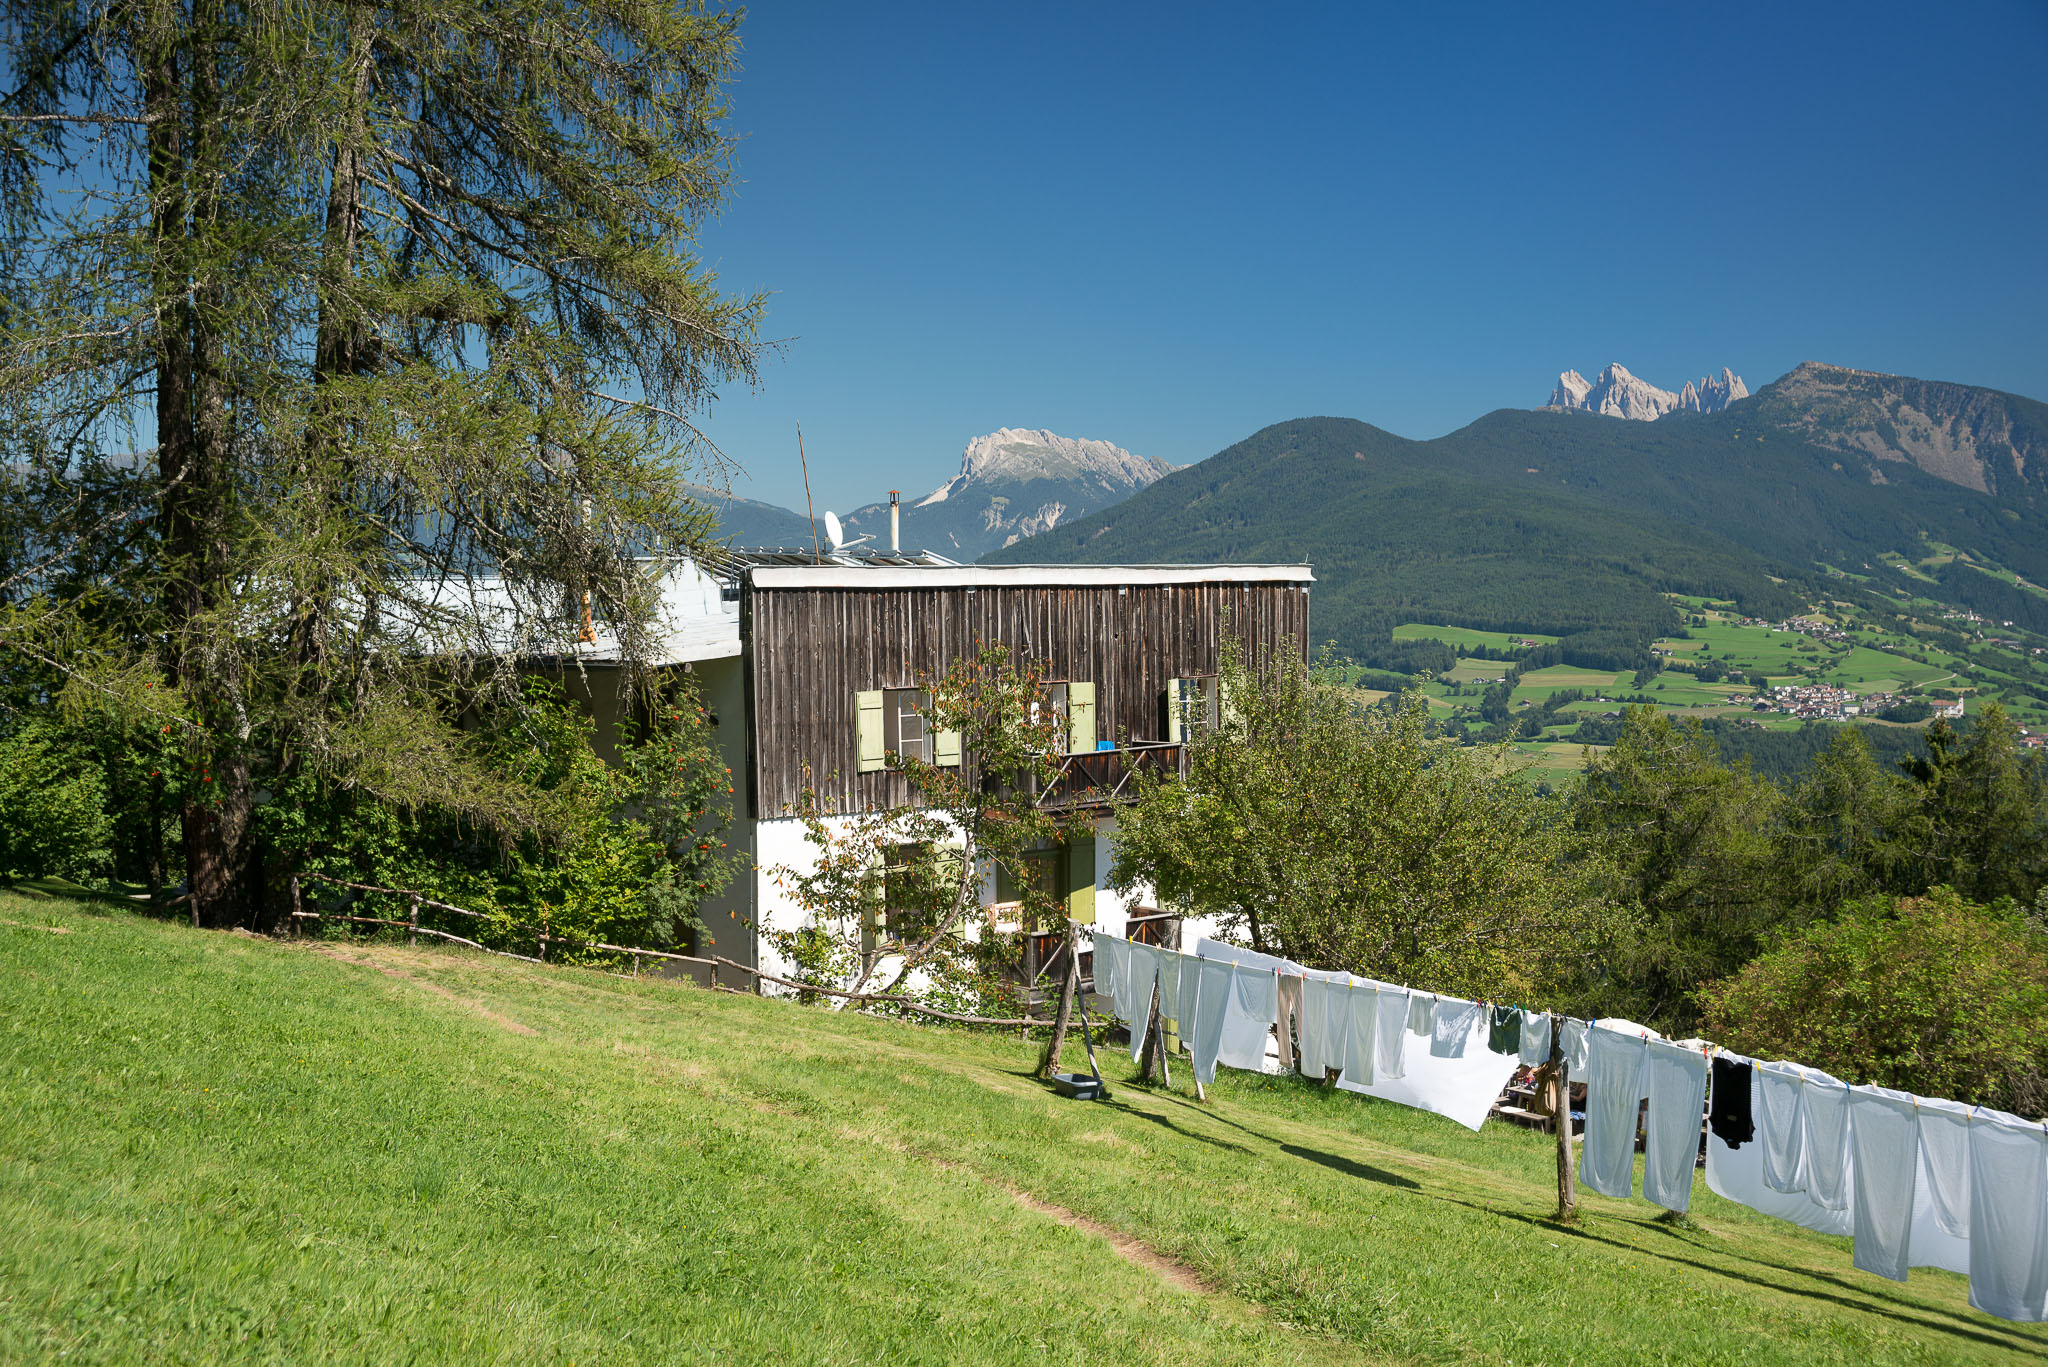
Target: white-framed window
column 1070, row 705
column 903, row 725
column 1050, row 705
column 1193, row 705
column 888, row 719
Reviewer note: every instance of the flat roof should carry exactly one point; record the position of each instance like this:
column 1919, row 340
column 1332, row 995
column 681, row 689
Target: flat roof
column 1014, row 576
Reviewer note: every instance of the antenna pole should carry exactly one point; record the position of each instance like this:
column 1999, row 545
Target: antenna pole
column 817, row 556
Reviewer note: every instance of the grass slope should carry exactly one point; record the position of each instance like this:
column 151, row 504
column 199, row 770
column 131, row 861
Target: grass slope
column 224, row 1148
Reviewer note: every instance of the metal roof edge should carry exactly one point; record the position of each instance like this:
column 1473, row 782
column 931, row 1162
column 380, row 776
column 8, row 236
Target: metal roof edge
column 999, row 576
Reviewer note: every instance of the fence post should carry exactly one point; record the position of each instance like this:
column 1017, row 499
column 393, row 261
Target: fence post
column 295, row 902
column 412, row 921
column 543, row 937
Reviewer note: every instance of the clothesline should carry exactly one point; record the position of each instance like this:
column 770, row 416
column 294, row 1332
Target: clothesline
column 1917, row 1182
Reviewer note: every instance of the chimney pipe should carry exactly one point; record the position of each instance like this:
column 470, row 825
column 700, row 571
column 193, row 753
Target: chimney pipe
column 895, row 524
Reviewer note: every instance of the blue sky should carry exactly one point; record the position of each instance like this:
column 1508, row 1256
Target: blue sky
column 1169, row 227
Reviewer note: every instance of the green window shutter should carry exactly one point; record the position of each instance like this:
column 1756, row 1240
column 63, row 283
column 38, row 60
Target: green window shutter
column 946, row 747
column 1226, row 704
column 1080, row 718
column 1173, row 728
column 1081, row 879
column 867, row 708
column 946, row 861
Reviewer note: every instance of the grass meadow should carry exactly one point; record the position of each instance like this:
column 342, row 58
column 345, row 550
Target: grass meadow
column 221, row 1148
column 1467, row 636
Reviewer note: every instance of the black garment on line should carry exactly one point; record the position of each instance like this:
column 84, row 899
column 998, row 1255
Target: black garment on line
column 1504, row 1035
column 1728, row 1114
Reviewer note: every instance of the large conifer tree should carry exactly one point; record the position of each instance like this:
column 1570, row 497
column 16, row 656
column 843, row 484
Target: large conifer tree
column 312, row 316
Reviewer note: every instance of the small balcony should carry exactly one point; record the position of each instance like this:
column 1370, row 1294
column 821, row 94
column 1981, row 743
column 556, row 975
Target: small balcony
column 1096, row 780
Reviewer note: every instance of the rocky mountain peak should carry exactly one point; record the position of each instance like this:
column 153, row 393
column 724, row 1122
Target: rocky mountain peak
column 1014, row 483
column 1979, row 438
column 1619, row 394
column 1023, row 454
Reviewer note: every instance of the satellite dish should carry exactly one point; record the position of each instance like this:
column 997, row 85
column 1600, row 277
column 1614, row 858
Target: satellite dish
column 833, row 533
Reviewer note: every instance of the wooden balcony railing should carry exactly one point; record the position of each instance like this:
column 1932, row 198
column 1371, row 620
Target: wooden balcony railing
column 1099, row 779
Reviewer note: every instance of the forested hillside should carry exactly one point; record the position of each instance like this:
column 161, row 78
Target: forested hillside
column 1397, row 533
column 1568, row 523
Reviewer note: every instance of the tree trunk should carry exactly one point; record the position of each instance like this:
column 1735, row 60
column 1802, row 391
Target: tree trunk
column 1049, row 1060
column 192, row 449
column 340, row 340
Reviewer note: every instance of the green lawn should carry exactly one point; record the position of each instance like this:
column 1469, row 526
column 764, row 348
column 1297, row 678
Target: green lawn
column 1748, row 649
column 223, row 1148
column 1457, row 637
column 1682, row 690
column 1557, row 761
column 1541, row 683
column 1468, row 669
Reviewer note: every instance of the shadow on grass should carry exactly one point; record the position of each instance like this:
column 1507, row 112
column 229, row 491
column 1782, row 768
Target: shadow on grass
column 1851, row 1296
column 1123, row 1108
column 1351, row 1167
column 63, row 889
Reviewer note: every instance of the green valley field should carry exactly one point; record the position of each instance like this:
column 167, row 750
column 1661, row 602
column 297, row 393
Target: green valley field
column 226, row 1148
column 1928, row 651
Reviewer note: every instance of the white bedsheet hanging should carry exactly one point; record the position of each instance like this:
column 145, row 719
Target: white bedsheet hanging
column 1248, row 1019
column 1461, row 1089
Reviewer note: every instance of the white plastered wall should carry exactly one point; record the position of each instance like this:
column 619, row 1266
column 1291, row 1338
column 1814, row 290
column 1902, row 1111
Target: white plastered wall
column 780, row 844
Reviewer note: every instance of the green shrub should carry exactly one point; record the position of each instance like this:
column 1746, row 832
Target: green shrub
column 623, row 852
column 53, row 819
column 1933, row 995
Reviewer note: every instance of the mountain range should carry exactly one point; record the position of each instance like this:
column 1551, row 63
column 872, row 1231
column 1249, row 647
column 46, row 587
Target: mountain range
column 747, row 522
column 1570, row 522
column 1570, row 519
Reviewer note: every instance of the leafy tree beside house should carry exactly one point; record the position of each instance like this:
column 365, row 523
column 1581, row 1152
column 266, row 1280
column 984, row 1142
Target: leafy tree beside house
column 1358, row 838
column 633, row 844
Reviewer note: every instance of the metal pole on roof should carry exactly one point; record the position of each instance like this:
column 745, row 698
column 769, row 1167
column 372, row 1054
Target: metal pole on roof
column 817, row 555
column 895, row 523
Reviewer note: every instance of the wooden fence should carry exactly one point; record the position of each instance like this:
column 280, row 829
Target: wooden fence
column 411, row 925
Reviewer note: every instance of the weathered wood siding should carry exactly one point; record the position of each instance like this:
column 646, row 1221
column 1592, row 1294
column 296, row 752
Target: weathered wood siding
column 810, row 650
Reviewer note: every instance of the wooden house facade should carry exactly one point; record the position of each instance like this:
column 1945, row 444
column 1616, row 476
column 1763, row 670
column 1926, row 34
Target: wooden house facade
column 832, row 658
column 820, row 643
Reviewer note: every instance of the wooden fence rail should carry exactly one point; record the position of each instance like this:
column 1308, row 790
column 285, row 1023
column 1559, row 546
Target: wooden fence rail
column 713, row 962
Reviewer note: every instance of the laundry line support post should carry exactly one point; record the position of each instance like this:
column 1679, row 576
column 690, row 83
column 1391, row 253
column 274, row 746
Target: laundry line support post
column 1155, row 1043
column 1070, row 987
column 1561, row 1117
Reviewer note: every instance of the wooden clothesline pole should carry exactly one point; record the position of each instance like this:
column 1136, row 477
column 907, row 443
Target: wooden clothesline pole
column 1561, row 1116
